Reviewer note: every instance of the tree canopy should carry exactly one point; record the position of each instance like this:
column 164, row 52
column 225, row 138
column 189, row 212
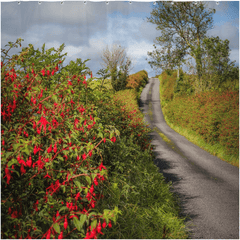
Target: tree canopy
column 183, row 27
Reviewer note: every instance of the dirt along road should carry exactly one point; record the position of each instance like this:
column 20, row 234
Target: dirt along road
column 207, row 187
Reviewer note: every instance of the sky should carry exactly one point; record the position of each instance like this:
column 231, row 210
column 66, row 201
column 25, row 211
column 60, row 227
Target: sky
column 86, row 29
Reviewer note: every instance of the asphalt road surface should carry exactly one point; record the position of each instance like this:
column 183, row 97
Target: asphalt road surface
column 207, row 187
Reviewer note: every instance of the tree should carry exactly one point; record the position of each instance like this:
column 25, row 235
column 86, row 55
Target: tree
column 183, row 27
column 217, row 64
column 118, row 63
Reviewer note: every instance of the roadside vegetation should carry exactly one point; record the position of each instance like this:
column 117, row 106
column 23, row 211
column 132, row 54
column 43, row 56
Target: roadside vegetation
column 76, row 159
column 201, row 103
column 209, row 119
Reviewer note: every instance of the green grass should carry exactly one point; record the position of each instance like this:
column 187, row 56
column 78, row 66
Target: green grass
column 148, row 208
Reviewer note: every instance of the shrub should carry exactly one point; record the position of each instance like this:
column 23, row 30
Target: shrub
column 51, row 168
column 137, row 80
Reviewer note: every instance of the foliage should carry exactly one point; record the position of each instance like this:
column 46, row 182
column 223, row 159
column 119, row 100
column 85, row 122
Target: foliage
column 183, row 27
column 51, row 167
column 148, row 208
column 217, row 66
column 137, row 80
column 213, row 115
column 119, row 65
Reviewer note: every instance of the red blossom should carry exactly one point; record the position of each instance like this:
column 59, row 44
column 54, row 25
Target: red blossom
column 44, row 123
column 43, row 72
column 49, row 149
column 84, row 156
column 60, row 235
column 65, row 223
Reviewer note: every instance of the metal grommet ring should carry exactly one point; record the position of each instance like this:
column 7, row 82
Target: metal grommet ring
column 154, row 3
column 85, row 2
column 130, row 2
column 62, row 2
column 19, row 2
column 107, row 3
column 39, row 3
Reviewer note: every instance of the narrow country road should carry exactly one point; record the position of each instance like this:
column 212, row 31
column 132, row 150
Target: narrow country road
column 207, row 187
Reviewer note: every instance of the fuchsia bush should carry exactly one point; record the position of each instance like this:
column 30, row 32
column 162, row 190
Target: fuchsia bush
column 51, row 163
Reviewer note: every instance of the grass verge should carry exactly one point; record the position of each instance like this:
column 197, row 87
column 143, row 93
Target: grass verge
column 215, row 149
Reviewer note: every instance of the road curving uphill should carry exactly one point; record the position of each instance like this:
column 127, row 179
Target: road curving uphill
column 207, row 187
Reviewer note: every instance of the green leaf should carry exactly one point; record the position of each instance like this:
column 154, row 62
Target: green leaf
column 15, row 146
column 78, row 184
column 88, row 179
column 13, row 161
column 63, row 208
column 8, row 154
column 93, row 224
column 81, row 222
column 77, row 223
column 57, row 228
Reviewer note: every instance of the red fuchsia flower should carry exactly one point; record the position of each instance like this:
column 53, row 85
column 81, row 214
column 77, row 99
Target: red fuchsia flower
column 47, row 176
column 60, row 235
column 34, row 125
column 91, row 74
column 72, row 102
column 38, row 131
column 14, row 214
column 48, row 72
column 44, row 123
column 54, row 123
column 52, row 72
column 43, row 72
column 27, row 76
column 23, row 171
column 41, row 94
column 35, row 150
column 77, row 196
column 84, row 82
column 69, row 82
column 65, row 223
column 99, row 228
column 104, row 224
column 113, row 139
column 78, row 158
column 91, row 189
column 104, row 140
column 49, row 149
column 55, row 148
column 101, row 166
column 56, row 68
column 88, row 196
column 7, row 174
column 95, row 181
column 93, row 233
column 90, row 153
column 48, row 234
column 93, row 203
column 3, row 142
column 109, row 224
column 84, row 156
column 29, row 162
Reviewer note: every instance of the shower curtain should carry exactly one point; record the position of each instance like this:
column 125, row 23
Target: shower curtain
column 76, row 157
